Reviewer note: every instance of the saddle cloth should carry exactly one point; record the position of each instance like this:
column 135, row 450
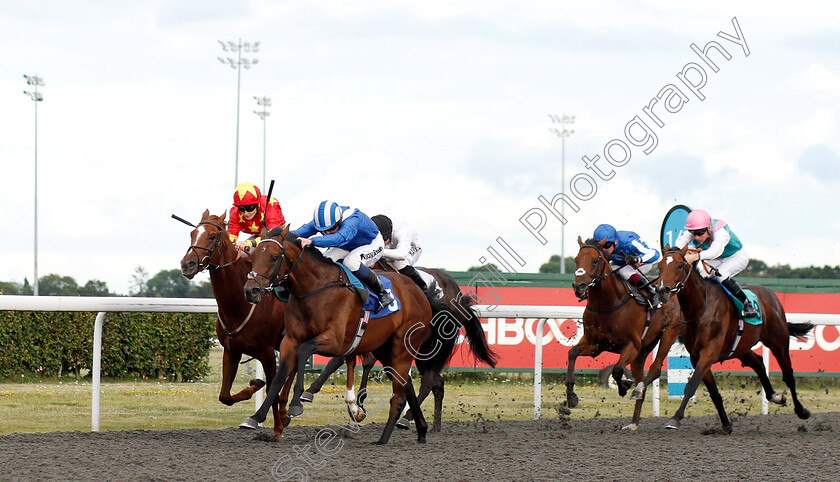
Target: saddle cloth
column 373, row 300
column 740, row 306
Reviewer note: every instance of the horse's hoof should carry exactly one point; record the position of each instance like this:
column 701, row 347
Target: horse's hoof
column 286, row 422
column 805, row 414
column 623, row 386
column 257, row 383
column 727, row 429
column 307, row 397
column 378, row 442
column 779, row 398
column 672, row 424
column 295, row 411
column 421, row 440
column 572, row 400
column 250, row 423
column 403, row 424
column 637, row 395
column 362, row 415
column 632, row 427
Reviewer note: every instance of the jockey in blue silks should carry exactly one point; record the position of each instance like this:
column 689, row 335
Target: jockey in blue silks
column 631, row 257
column 349, row 234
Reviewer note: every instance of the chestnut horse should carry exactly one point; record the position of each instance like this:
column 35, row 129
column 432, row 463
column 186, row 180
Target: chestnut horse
column 323, row 314
column 711, row 333
column 615, row 323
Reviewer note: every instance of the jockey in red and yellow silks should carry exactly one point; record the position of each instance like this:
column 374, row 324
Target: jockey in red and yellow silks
column 249, row 213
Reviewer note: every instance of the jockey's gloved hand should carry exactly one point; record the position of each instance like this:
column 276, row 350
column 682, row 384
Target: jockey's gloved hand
column 630, row 259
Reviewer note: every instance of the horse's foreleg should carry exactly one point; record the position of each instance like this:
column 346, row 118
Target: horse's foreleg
column 782, row 355
column 582, row 348
column 702, row 365
column 305, row 351
column 288, row 350
column 637, row 366
column 269, row 364
column 230, row 365
column 399, row 375
column 333, row 365
column 437, row 391
column 628, row 353
column 714, row 394
column 668, row 338
column 427, row 381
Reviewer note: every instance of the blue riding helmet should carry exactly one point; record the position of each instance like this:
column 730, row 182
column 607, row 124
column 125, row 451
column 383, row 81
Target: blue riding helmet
column 327, row 215
column 605, row 231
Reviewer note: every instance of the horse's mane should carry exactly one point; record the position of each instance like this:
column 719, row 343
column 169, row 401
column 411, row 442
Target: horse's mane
column 312, row 250
column 593, row 242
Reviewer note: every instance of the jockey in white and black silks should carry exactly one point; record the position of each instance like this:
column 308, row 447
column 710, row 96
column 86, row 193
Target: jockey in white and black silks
column 349, row 234
column 402, row 247
column 713, row 242
column 631, row 257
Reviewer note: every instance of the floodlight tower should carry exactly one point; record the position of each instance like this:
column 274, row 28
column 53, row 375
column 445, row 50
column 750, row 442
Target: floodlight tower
column 36, row 97
column 265, row 102
column 563, row 133
column 237, row 64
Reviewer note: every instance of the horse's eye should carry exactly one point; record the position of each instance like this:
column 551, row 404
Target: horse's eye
column 212, row 237
column 274, row 258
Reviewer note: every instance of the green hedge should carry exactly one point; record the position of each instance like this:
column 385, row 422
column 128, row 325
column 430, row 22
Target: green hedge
column 142, row 345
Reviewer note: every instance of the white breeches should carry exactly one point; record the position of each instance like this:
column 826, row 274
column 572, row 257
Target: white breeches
column 627, row 271
column 367, row 254
column 728, row 267
column 413, row 255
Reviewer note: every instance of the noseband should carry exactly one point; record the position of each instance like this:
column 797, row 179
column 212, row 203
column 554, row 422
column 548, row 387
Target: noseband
column 206, row 262
column 272, row 280
column 680, row 284
column 595, row 279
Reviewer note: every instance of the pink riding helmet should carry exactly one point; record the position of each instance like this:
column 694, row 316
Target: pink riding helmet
column 698, row 219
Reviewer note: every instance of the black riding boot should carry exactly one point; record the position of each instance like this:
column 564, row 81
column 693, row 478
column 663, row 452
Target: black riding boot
column 735, row 289
column 412, row 273
column 645, row 284
column 369, row 278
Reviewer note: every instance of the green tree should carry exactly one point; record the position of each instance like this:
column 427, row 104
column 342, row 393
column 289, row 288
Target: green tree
column 10, row 288
column 168, row 284
column 484, row 267
column 201, row 290
column 94, row 288
column 57, row 285
column 553, row 264
column 138, row 282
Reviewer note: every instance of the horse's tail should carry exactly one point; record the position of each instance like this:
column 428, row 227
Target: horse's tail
column 474, row 331
column 800, row 330
column 439, row 347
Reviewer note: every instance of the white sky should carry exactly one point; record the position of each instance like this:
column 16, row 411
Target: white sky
column 434, row 112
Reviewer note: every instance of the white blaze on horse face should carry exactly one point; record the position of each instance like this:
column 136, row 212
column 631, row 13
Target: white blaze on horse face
column 580, row 272
column 668, row 260
column 200, row 232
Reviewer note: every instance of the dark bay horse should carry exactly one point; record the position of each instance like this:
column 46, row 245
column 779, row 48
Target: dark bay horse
column 461, row 306
column 615, row 323
column 323, row 312
column 711, row 333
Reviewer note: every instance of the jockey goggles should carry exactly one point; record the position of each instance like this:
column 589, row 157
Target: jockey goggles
column 248, row 208
column 697, row 232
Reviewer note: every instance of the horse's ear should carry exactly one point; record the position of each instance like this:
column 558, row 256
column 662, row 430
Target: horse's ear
column 580, row 242
column 285, row 231
column 222, row 217
column 666, row 248
column 684, row 249
column 205, row 215
column 278, row 231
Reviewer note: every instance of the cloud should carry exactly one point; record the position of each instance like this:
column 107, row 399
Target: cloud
column 821, row 162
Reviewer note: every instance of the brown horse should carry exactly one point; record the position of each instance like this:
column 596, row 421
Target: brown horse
column 711, row 333
column 615, row 323
column 242, row 328
column 460, row 305
column 323, row 312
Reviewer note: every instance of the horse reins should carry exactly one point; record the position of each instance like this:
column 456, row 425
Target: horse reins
column 598, row 279
column 682, row 284
column 272, row 280
column 206, row 262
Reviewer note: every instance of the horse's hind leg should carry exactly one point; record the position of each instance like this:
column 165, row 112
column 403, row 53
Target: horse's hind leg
column 356, row 412
column 630, row 352
column 668, row 338
column 751, row 360
column 437, row 391
column 368, row 361
column 334, row 364
column 782, row 355
column 304, row 352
